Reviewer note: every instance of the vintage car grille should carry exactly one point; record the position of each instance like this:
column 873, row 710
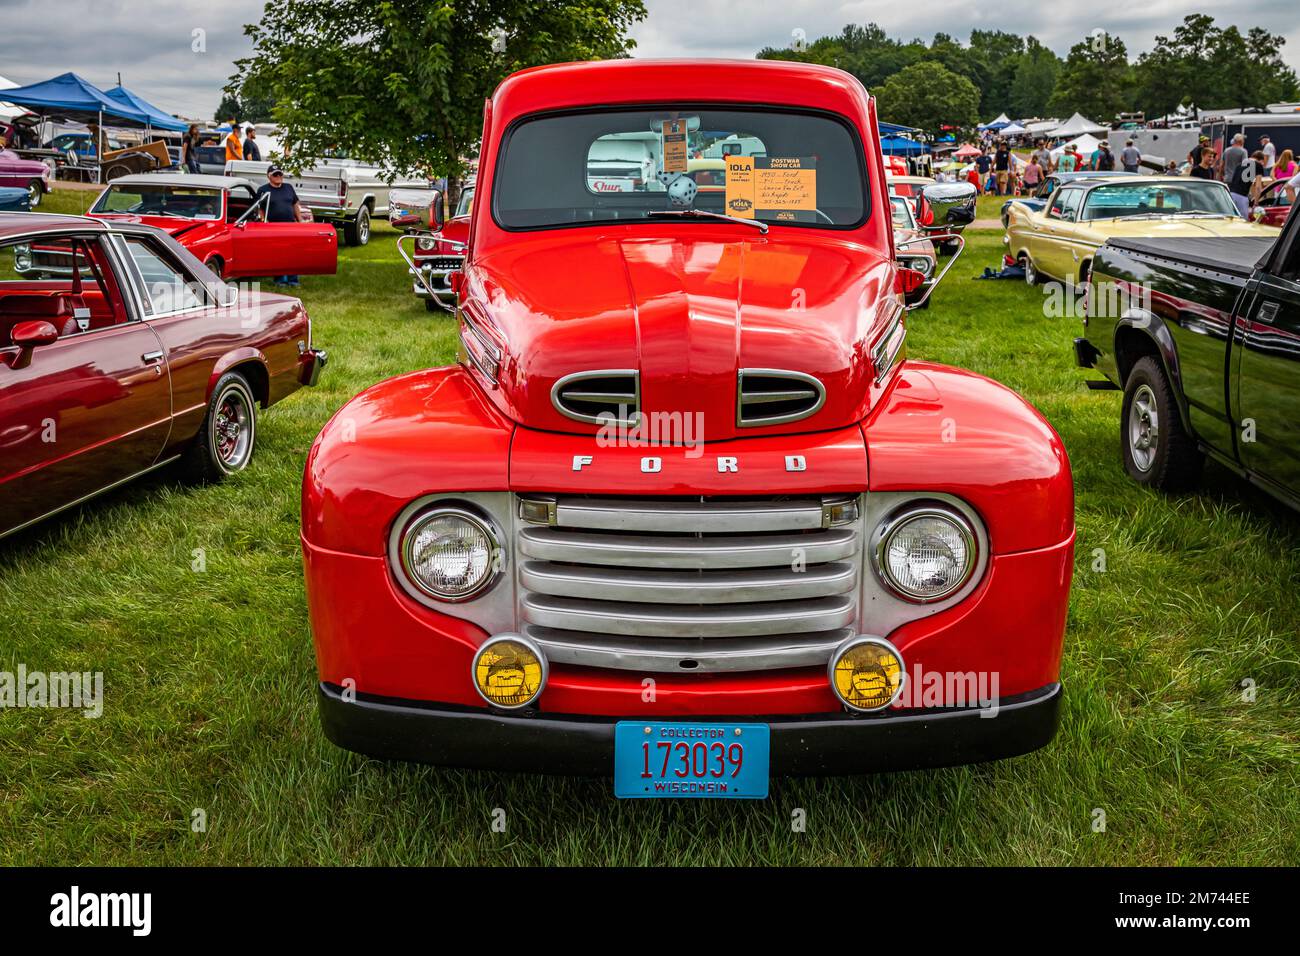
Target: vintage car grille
column 766, row 396
column 596, row 396
column 698, row 584
column 443, row 263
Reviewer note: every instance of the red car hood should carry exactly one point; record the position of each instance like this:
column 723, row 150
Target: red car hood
column 687, row 312
column 169, row 224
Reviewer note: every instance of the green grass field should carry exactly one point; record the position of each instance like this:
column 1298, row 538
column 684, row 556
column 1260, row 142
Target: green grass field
column 209, row 677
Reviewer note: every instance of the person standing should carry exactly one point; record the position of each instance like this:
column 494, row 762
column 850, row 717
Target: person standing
column 1233, row 157
column 1103, row 160
column 1194, row 154
column 234, row 148
column 1130, row 157
column 1245, row 182
column 1270, row 154
column 189, row 143
column 1204, row 169
column 984, row 164
column 1285, row 167
column 1068, row 161
column 1032, row 177
column 251, row 153
column 1002, row 166
column 282, row 205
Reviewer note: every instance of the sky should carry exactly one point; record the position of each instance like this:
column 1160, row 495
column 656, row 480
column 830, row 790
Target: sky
column 179, row 53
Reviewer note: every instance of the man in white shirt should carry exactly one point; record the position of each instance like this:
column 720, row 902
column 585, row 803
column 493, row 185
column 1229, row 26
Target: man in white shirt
column 1270, row 154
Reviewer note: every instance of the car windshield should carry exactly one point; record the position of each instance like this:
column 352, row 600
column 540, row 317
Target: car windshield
column 157, row 199
column 772, row 166
column 902, row 212
column 1158, row 199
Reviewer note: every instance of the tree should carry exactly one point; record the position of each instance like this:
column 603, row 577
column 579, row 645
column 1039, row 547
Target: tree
column 1035, row 80
column 1096, row 79
column 401, row 83
column 928, row 95
column 997, row 57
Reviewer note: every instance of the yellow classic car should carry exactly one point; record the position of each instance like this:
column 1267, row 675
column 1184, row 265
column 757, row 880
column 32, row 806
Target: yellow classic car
column 1058, row 242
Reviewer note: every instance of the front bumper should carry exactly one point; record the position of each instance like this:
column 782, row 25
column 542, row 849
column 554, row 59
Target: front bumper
column 437, row 279
column 310, row 363
column 815, row 744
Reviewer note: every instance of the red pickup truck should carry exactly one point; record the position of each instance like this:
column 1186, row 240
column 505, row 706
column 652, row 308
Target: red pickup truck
column 684, row 512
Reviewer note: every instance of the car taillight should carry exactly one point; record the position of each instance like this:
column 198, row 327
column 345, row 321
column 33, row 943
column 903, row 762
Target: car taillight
column 343, row 188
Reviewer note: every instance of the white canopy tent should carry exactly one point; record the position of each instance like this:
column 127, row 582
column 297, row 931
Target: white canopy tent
column 7, row 110
column 1015, row 129
column 1076, row 125
column 1042, row 127
column 1083, row 145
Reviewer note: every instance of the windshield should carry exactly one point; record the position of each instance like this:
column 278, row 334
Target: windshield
column 902, row 212
column 774, row 166
column 156, row 199
column 1166, row 198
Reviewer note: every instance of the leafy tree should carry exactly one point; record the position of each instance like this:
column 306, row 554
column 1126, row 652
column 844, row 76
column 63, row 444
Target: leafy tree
column 996, row 56
column 1034, row 82
column 928, row 95
column 1096, row 79
column 401, row 83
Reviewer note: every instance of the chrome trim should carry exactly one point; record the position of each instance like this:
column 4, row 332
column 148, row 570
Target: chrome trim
column 94, row 494
column 762, row 398
column 674, row 655
column 518, row 639
column 934, row 282
column 406, row 533
column 484, row 342
column 721, row 552
column 687, row 621
column 667, row 586
column 690, row 517
column 635, row 404
column 886, row 529
column 883, row 356
column 848, row 645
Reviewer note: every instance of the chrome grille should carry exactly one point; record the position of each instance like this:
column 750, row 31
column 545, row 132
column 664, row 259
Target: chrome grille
column 766, row 396
column 705, row 584
column 607, row 395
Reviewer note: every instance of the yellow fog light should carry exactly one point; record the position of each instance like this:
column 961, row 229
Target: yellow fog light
column 509, row 671
column 867, row 673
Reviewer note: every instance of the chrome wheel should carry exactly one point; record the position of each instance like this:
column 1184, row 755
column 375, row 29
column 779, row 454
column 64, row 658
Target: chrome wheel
column 1031, row 274
column 1143, row 428
column 34, row 193
column 232, row 429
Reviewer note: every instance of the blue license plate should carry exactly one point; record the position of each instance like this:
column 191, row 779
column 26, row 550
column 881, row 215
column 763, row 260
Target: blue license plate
column 685, row 760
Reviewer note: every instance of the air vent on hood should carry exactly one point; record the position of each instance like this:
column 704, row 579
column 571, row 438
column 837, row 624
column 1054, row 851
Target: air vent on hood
column 605, row 396
column 769, row 396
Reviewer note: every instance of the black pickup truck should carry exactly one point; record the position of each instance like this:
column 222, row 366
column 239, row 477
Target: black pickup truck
column 1203, row 336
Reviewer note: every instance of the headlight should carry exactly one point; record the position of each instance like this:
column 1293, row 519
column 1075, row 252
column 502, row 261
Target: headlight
column 22, row 258
column 509, row 671
column 866, row 673
column 921, row 264
column 926, row 553
column 449, row 554
column 426, row 244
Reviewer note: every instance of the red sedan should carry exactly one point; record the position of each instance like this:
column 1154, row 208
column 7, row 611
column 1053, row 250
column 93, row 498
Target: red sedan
column 134, row 357
column 219, row 220
column 685, row 513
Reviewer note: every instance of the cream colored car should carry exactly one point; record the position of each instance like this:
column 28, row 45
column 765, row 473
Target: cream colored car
column 1058, row 242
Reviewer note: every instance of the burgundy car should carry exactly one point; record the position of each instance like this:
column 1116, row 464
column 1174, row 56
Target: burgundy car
column 138, row 358
column 30, row 174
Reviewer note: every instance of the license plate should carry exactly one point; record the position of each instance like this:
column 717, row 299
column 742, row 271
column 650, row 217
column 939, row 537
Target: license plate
column 685, row 760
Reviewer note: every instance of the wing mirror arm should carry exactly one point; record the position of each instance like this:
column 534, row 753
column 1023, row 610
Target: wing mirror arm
column 945, row 237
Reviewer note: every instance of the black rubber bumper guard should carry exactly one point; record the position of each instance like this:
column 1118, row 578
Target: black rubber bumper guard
column 822, row 744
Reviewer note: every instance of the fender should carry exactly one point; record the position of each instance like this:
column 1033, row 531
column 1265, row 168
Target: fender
column 237, row 357
column 1143, row 322
column 949, row 430
column 418, row 434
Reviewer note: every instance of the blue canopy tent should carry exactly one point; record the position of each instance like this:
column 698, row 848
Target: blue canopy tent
column 893, row 129
column 68, row 96
column 157, row 118
column 899, row 146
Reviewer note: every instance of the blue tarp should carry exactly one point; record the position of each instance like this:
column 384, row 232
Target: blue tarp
column 157, row 118
column 898, row 146
column 72, row 97
column 890, row 129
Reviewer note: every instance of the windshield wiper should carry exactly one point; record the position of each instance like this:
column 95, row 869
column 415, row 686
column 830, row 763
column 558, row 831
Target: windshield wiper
column 702, row 214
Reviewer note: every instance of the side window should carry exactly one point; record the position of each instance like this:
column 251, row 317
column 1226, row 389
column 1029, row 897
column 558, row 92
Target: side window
column 63, row 280
column 1065, row 205
column 167, row 288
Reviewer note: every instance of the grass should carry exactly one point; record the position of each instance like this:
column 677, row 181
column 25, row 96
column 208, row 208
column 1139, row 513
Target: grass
column 209, row 676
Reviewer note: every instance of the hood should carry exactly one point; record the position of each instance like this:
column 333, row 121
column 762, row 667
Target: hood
column 1226, row 226
column 687, row 312
column 169, row 224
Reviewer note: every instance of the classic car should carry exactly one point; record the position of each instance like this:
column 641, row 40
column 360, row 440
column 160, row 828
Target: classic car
column 342, row 192
column 1203, row 336
column 80, row 144
column 139, row 358
column 1273, row 205
column 1060, row 241
column 437, row 254
column 220, row 220
column 14, row 199
column 951, row 205
column 915, row 251
column 683, row 512
column 29, row 174
column 1037, row 202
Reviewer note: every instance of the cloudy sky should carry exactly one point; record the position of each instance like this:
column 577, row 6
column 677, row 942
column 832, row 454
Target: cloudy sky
column 178, row 53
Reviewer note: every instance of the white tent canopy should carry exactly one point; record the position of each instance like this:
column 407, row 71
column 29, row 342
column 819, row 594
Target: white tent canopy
column 1041, row 127
column 1015, row 129
column 1075, row 126
column 1083, row 145
column 7, row 110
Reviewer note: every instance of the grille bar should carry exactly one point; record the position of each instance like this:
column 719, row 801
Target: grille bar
column 656, row 586
column 705, row 517
column 659, row 656
column 673, row 620
column 722, row 552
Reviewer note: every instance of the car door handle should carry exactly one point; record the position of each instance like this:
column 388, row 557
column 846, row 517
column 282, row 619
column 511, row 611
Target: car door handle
column 151, row 357
column 1267, row 313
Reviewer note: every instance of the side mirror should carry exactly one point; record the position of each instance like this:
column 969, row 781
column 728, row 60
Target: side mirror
column 27, row 335
column 437, row 215
column 909, row 280
column 924, row 211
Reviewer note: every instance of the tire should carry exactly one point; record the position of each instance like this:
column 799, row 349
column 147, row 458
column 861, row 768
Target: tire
column 1032, row 275
column 356, row 232
column 1157, row 451
column 216, row 451
column 35, row 193
column 216, row 265
column 115, row 172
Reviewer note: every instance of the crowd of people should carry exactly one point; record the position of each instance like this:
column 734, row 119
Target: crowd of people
column 997, row 170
